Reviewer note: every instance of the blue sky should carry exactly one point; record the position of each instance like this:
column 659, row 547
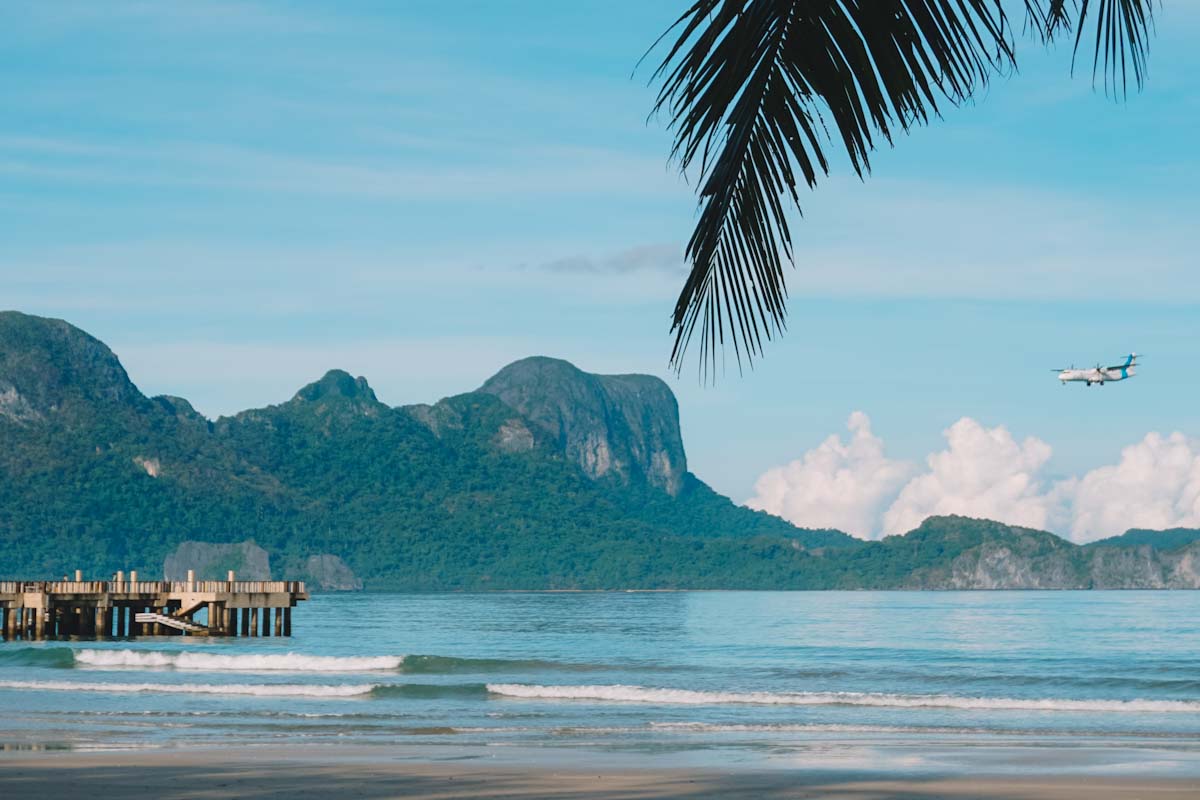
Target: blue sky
column 238, row 196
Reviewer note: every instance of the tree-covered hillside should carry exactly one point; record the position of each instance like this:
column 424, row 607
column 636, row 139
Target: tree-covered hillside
column 467, row 493
column 546, row 478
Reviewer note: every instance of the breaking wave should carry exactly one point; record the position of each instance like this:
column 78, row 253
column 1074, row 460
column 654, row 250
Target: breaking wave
column 639, row 694
column 270, row 662
column 410, row 691
column 255, row 689
column 217, row 662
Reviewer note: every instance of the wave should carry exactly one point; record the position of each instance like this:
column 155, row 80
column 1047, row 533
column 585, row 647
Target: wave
column 431, row 691
column 218, row 662
column 606, row 693
column 446, row 665
column 53, row 657
column 410, row 691
column 285, row 662
column 640, row 694
column 255, row 689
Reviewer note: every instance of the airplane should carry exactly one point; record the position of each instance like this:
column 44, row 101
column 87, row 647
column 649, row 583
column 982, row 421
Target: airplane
column 1100, row 374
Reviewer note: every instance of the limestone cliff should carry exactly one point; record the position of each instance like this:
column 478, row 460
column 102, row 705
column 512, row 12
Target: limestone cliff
column 624, row 426
column 49, row 367
column 1021, row 558
column 212, row 562
column 329, row 573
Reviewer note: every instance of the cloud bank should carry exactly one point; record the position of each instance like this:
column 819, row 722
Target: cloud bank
column 844, row 485
column 852, row 485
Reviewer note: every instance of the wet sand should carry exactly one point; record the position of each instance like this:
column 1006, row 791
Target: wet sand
column 380, row 772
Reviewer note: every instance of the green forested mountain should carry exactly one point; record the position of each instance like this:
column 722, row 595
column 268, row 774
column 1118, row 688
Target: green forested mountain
column 546, row 477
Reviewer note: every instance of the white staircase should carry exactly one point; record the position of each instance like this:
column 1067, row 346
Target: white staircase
column 171, row 622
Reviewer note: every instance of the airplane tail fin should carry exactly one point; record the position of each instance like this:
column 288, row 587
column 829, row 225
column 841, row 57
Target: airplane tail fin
column 1130, row 361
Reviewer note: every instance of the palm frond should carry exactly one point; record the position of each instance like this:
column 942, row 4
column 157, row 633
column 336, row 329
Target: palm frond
column 1122, row 37
column 757, row 91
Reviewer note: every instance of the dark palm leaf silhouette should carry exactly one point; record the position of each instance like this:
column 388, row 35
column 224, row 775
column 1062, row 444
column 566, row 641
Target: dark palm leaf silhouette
column 758, row 90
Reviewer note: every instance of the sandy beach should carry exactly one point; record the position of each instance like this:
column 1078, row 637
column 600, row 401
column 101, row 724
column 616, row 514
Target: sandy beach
column 362, row 772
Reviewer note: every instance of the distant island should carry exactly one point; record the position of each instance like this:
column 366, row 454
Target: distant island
column 546, row 477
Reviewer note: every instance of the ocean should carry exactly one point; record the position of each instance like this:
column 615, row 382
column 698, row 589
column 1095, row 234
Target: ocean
column 939, row 682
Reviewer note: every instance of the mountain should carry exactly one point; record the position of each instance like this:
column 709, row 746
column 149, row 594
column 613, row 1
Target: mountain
column 1168, row 539
column 961, row 553
column 547, row 477
column 467, row 493
column 621, row 425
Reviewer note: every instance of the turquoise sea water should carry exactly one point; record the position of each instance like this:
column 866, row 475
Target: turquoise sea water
column 897, row 680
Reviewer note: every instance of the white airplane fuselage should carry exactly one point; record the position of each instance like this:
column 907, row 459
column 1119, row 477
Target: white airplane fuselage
column 1100, row 375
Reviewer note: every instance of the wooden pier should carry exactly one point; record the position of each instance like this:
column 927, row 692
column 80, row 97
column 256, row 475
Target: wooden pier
column 126, row 608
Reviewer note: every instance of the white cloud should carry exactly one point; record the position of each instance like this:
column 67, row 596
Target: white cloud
column 984, row 472
column 838, row 484
column 1156, row 484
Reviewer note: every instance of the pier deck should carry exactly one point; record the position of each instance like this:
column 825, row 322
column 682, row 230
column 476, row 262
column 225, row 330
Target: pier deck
column 63, row 609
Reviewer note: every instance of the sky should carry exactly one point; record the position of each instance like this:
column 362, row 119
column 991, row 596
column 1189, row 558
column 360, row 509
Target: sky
column 237, row 196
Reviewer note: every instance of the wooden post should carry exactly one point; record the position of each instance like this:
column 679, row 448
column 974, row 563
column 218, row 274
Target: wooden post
column 79, row 576
column 98, row 622
column 287, row 621
column 4, row 622
column 266, row 622
column 39, row 623
column 253, row 612
column 279, row 622
column 228, row 623
column 214, row 624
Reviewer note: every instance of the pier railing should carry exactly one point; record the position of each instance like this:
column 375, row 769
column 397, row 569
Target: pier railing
column 152, row 587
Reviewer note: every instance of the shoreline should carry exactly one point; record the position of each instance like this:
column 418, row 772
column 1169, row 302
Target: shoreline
column 398, row 771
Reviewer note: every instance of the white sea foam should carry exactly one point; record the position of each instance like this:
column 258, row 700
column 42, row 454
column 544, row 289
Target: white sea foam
column 715, row 727
column 641, row 694
column 256, row 689
column 218, row 662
